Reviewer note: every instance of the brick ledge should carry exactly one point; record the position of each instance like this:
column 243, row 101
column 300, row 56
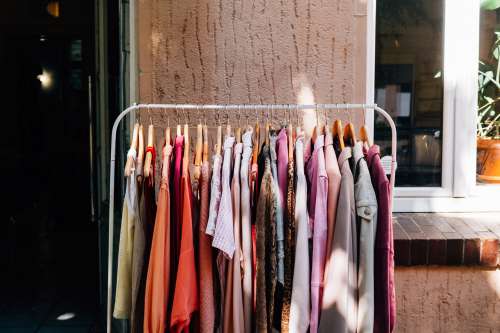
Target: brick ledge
column 447, row 239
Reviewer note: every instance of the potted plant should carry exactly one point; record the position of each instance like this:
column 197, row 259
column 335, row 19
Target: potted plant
column 488, row 120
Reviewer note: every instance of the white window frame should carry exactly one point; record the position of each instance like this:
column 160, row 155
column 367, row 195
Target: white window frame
column 458, row 192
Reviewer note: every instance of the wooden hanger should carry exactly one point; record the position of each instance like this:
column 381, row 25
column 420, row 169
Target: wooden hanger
column 364, row 137
column 317, row 128
column 198, row 152
column 149, row 155
column 133, row 145
column 337, row 132
column 350, row 134
column 187, row 147
column 218, row 145
column 140, row 152
column 167, row 135
column 256, row 143
column 238, row 133
column 165, row 157
column 268, row 127
column 178, row 131
column 290, row 141
column 205, row 143
column 298, row 130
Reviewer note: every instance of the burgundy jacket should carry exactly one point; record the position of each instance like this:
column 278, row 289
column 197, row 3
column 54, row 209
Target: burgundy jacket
column 385, row 299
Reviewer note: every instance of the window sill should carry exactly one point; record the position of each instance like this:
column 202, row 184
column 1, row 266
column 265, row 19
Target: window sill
column 470, row 239
column 486, row 201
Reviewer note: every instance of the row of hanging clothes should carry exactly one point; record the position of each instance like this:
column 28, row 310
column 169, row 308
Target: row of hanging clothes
column 290, row 233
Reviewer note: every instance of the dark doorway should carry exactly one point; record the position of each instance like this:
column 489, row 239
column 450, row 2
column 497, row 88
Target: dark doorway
column 48, row 245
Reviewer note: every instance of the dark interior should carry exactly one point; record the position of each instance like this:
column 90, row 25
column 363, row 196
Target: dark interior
column 48, row 245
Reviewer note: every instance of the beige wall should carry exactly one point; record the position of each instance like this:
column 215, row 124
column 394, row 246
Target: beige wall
column 447, row 299
column 240, row 51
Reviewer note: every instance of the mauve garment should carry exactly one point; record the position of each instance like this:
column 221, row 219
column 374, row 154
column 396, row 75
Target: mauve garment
column 339, row 313
column 282, row 173
column 246, row 231
column 158, row 279
column 123, row 296
column 205, row 263
column 300, row 305
column 316, row 171
column 233, row 311
column 385, row 298
column 289, row 244
column 334, row 178
column 186, row 301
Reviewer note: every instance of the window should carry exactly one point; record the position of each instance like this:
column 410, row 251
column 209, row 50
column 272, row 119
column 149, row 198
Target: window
column 409, row 85
column 426, row 73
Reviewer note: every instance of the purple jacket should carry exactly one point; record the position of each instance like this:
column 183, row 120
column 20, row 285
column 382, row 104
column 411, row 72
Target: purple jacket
column 385, row 298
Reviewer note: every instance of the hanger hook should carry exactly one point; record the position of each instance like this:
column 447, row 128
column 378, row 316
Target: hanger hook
column 297, row 113
column 240, row 107
column 316, row 112
column 325, row 119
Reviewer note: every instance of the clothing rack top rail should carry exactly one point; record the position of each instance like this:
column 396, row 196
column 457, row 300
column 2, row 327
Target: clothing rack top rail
column 222, row 107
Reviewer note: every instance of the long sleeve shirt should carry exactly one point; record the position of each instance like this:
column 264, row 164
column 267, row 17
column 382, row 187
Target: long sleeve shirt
column 233, row 309
column 300, row 305
column 224, row 233
column 186, row 301
column 318, row 179
column 334, row 179
column 246, row 230
column 385, row 298
column 366, row 215
column 339, row 312
column 205, row 262
column 123, row 298
column 158, row 278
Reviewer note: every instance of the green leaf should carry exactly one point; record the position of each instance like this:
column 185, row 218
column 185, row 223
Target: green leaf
column 496, row 52
column 490, row 4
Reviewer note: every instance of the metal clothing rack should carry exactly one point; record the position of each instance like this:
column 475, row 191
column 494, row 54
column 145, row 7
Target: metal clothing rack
column 220, row 107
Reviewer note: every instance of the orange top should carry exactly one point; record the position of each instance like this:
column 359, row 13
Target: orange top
column 158, row 280
column 186, row 300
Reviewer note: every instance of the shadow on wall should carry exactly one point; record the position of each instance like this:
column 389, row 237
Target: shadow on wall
column 447, row 299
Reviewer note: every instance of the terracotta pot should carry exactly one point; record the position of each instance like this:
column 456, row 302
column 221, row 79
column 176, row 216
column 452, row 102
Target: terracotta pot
column 488, row 160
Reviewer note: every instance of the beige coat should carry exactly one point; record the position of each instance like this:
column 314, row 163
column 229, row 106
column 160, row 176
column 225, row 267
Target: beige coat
column 339, row 313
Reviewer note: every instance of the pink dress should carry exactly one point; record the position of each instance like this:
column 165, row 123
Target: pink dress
column 318, row 198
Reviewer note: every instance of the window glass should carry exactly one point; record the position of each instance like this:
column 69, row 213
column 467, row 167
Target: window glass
column 409, row 85
column 488, row 126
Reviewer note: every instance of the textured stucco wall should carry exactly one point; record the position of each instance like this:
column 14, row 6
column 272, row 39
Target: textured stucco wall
column 238, row 51
column 447, row 299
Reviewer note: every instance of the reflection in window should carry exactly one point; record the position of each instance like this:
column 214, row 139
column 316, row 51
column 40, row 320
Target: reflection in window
column 409, row 85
